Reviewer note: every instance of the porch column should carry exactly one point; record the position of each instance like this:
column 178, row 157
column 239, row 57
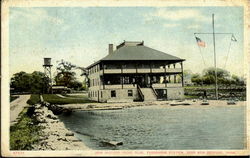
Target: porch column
column 136, row 68
column 165, row 77
column 103, row 80
column 182, row 79
column 122, row 75
column 150, row 73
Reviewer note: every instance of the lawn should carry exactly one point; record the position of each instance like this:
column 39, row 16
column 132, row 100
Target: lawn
column 34, row 99
column 54, row 99
column 25, row 132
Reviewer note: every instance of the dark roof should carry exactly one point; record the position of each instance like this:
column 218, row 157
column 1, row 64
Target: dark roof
column 139, row 52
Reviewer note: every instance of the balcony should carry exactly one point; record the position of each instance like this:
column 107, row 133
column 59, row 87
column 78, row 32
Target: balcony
column 163, row 85
column 119, row 86
column 142, row 70
column 112, row 71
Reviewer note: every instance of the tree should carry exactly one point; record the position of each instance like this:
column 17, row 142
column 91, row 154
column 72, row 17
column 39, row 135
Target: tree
column 196, row 78
column 35, row 82
column 39, row 82
column 76, row 85
column 65, row 74
column 223, row 76
column 21, row 82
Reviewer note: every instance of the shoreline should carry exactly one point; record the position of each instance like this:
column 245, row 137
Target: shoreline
column 55, row 136
column 167, row 104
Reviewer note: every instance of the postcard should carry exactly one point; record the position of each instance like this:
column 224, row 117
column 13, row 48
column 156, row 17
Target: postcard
column 124, row 78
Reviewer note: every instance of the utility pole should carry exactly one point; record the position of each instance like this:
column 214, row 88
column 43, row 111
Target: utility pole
column 215, row 62
column 216, row 82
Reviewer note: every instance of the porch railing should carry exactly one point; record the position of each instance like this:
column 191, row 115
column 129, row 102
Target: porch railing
column 140, row 92
column 155, row 93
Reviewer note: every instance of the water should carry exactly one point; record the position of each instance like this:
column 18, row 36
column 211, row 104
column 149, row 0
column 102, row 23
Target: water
column 165, row 128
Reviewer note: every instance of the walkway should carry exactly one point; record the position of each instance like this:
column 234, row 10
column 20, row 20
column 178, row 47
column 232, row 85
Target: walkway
column 17, row 106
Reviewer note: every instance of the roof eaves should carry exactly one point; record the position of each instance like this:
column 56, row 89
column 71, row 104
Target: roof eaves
column 93, row 64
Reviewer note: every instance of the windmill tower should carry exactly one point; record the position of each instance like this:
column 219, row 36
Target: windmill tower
column 47, row 71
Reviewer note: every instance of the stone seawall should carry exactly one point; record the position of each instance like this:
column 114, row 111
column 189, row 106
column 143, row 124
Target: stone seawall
column 55, row 136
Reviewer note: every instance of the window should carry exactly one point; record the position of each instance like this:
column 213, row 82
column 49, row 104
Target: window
column 126, row 80
column 130, row 93
column 101, row 94
column 113, row 93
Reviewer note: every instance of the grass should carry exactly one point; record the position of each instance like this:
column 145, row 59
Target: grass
column 77, row 96
column 54, row 99
column 12, row 98
column 191, row 97
column 233, row 91
column 34, row 99
column 24, row 133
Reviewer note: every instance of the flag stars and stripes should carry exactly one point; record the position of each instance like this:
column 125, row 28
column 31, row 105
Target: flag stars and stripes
column 200, row 42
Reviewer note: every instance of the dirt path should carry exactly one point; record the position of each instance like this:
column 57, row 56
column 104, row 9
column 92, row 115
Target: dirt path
column 17, row 106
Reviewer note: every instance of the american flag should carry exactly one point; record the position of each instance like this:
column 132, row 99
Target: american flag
column 200, row 42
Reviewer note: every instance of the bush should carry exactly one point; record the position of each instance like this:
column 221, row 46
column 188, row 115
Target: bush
column 34, row 99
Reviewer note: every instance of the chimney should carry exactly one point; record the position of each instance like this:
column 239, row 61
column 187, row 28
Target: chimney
column 111, row 48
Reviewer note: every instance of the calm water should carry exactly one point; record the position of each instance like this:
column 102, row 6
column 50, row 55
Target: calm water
column 166, row 128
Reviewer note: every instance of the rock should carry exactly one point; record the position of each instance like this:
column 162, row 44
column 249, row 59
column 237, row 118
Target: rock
column 111, row 143
column 231, row 102
column 90, row 106
column 69, row 134
column 51, row 117
column 76, row 140
column 52, row 148
column 63, row 139
column 205, row 102
column 41, row 120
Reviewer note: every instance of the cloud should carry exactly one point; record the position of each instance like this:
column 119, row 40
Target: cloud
column 36, row 15
column 170, row 25
column 194, row 26
column 175, row 15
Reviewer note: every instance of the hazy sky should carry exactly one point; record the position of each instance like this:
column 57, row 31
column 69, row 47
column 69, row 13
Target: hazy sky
column 81, row 35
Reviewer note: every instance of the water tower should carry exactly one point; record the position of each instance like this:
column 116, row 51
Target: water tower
column 47, row 69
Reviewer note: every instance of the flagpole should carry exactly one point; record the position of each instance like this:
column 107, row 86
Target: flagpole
column 216, row 84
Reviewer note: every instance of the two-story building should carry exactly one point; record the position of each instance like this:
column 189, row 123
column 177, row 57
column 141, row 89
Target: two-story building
column 134, row 72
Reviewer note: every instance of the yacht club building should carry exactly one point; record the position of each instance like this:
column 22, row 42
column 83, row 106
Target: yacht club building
column 134, row 72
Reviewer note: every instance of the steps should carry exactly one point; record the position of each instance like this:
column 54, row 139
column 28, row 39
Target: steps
column 148, row 94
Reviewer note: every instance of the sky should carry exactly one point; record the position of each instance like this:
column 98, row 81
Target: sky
column 81, row 35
